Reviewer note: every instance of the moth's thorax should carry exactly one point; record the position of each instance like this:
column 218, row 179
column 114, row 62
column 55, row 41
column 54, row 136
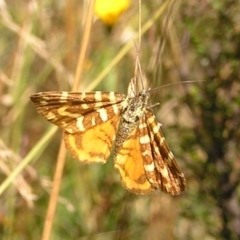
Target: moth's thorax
column 134, row 107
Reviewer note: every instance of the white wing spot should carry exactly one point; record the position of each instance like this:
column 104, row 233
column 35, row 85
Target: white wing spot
column 149, row 167
column 115, row 109
column 112, row 97
column 155, row 129
column 170, row 155
column 151, row 119
column 164, row 172
column 43, row 102
column 64, row 95
column 157, row 150
column 103, row 114
column 162, row 140
column 80, row 124
column 98, row 96
column 84, row 106
column 144, row 139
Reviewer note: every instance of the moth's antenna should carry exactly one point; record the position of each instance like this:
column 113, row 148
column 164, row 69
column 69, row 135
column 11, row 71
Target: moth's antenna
column 138, row 68
column 173, row 83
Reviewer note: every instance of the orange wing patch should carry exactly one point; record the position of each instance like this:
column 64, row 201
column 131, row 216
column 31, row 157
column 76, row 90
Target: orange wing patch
column 95, row 144
column 129, row 162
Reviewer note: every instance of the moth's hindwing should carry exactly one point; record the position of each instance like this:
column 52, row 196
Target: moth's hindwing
column 130, row 163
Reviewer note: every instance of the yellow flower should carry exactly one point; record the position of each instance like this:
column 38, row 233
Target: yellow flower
column 109, row 10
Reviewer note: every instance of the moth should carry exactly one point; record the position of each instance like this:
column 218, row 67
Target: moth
column 93, row 121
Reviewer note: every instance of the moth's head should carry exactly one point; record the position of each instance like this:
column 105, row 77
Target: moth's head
column 144, row 95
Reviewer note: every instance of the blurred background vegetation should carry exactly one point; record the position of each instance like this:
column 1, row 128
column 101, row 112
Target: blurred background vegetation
column 39, row 47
